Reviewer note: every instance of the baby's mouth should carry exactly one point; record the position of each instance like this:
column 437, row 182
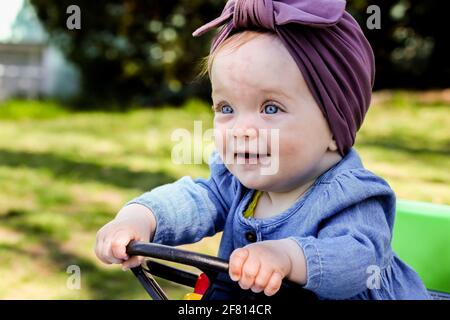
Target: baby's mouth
column 247, row 157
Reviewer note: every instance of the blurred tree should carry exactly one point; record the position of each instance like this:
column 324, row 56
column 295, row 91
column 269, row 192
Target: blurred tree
column 134, row 51
column 412, row 47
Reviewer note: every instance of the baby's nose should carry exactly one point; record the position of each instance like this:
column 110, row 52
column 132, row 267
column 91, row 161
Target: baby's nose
column 245, row 132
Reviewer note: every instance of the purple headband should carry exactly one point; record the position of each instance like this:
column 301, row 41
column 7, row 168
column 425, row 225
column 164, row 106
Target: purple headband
column 328, row 46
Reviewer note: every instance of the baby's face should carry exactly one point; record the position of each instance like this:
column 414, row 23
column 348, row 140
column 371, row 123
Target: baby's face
column 256, row 89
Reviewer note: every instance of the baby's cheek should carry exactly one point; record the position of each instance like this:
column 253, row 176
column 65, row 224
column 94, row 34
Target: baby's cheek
column 290, row 148
column 292, row 156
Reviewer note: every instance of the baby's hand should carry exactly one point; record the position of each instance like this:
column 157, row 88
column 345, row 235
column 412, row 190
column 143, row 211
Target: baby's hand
column 260, row 266
column 133, row 222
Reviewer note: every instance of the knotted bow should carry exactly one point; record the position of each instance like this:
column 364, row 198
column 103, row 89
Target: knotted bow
column 267, row 14
column 253, row 12
column 328, row 46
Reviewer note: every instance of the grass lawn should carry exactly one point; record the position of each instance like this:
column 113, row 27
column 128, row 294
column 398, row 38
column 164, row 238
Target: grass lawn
column 64, row 174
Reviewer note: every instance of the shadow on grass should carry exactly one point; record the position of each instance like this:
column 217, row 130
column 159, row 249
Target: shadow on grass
column 100, row 283
column 85, row 171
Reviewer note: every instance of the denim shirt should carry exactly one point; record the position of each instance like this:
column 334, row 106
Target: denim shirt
column 343, row 223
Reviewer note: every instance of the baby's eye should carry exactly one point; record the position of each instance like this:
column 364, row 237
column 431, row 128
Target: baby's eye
column 226, row 109
column 271, row 109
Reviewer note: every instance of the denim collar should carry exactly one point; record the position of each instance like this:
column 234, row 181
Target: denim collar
column 350, row 161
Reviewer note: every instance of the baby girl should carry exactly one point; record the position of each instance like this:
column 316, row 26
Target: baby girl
column 304, row 69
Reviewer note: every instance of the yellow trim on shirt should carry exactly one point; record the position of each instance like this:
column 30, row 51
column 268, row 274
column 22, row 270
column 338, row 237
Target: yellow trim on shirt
column 252, row 205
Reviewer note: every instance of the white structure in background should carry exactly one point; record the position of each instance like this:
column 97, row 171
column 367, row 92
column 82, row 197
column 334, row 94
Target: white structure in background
column 22, row 70
column 29, row 65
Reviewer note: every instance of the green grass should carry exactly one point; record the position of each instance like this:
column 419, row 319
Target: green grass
column 64, row 174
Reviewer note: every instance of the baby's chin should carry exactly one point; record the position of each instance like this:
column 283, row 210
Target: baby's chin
column 254, row 179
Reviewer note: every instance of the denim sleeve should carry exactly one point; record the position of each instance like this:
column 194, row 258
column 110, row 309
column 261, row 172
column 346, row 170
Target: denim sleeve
column 188, row 210
column 348, row 245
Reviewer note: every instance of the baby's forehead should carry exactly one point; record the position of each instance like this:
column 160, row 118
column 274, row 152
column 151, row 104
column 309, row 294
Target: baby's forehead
column 261, row 62
column 260, row 58
column 256, row 47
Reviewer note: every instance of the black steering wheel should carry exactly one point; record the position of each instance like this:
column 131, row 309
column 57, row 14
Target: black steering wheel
column 221, row 287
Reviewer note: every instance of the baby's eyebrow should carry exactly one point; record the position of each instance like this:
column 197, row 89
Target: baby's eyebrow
column 221, row 92
column 275, row 91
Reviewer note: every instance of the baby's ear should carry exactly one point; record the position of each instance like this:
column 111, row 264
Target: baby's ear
column 333, row 145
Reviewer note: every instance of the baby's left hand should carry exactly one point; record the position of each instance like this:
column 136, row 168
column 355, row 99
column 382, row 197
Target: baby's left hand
column 260, row 266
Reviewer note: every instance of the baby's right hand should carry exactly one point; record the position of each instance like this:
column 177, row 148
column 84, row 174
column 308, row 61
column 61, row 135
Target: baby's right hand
column 133, row 222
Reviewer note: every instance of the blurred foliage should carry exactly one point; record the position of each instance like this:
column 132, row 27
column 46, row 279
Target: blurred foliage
column 143, row 51
column 412, row 47
column 133, row 51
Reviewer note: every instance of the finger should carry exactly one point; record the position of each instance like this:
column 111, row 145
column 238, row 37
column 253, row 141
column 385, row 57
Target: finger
column 98, row 246
column 132, row 262
column 119, row 244
column 100, row 235
column 101, row 247
column 107, row 252
column 261, row 280
column 249, row 273
column 274, row 284
column 102, row 251
column 237, row 260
